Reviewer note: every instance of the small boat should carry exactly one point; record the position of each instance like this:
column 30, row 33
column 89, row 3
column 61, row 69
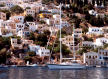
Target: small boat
column 32, row 65
column 98, row 66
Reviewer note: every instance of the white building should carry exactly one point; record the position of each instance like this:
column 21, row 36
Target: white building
column 101, row 15
column 91, row 58
column 96, row 58
column 65, row 23
column 53, row 30
column 68, row 40
column 95, row 30
column 33, row 47
column 98, row 42
column 32, row 26
column 20, row 33
column 30, row 12
column 50, row 21
column 5, row 23
column 17, row 19
column 9, row 4
column 41, row 51
column 103, row 56
column 92, row 12
column 7, row 28
column 101, row 41
column 56, row 16
column 15, row 44
column 55, row 11
column 24, row 41
column 19, row 27
column 78, row 33
column 88, row 44
column 22, row 30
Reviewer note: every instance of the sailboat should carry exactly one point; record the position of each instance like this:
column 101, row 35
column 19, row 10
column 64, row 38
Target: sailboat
column 66, row 65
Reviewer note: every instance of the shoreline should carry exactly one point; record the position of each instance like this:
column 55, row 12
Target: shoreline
column 45, row 66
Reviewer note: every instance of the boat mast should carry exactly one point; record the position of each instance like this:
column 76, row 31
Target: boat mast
column 73, row 44
column 60, row 37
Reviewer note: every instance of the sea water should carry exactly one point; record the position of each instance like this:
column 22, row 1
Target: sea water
column 45, row 73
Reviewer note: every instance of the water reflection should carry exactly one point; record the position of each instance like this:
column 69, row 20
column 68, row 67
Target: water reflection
column 40, row 73
column 15, row 73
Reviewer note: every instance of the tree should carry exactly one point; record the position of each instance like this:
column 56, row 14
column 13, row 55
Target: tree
column 65, row 50
column 77, row 22
column 106, row 19
column 87, row 17
column 46, row 1
column 28, row 58
column 32, row 36
column 4, row 42
column 8, row 13
column 82, row 50
column 28, row 7
column 105, row 46
column 28, row 18
column 87, row 39
column 31, row 54
column 42, row 39
column 16, row 10
column 2, row 5
column 84, row 29
column 74, row 8
column 42, row 22
column 3, row 55
column 47, row 32
column 96, row 21
column 63, row 33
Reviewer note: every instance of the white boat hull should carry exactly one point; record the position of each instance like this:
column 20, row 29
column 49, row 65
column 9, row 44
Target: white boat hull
column 33, row 65
column 60, row 66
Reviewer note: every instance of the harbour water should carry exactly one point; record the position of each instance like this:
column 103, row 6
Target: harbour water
column 45, row 73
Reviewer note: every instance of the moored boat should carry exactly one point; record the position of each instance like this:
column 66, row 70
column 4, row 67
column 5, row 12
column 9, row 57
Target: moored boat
column 72, row 65
column 32, row 65
column 66, row 66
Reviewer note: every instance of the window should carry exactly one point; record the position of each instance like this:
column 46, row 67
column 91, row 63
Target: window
column 89, row 57
column 42, row 53
column 106, row 54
